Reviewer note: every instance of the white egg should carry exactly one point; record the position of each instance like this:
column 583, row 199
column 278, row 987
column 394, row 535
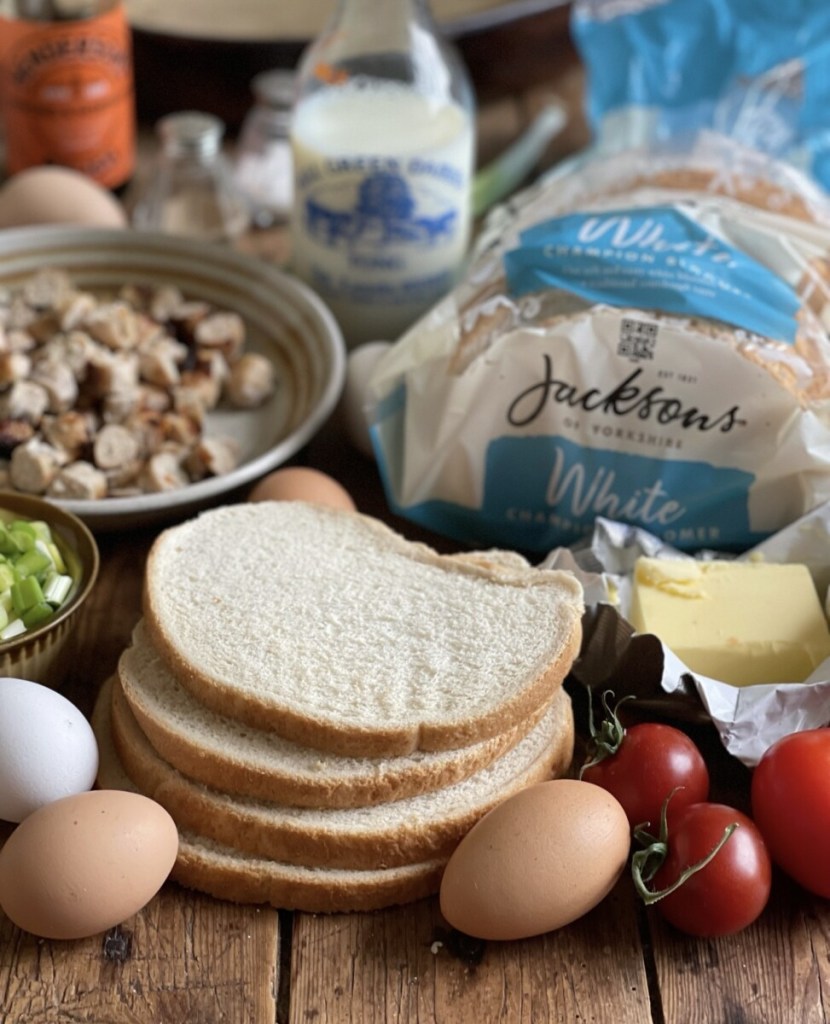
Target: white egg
column 47, row 748
column 361, row 363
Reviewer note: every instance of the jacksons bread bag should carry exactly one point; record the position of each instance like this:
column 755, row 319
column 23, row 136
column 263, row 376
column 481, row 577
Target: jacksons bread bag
column 640, row 338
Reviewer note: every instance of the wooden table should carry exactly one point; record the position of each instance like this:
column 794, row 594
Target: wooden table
column 190, row 959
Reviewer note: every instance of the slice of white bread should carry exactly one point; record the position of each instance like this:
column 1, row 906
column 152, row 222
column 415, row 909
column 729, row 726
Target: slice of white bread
column 337, row 633
column 414, row 829
column 227, row 874
column 229, row 755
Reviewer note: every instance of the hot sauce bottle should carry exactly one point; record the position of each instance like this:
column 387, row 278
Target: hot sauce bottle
column 66, row 82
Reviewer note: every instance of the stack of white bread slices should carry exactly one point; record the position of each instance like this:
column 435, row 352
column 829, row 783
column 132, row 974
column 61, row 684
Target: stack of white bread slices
column 326, row 708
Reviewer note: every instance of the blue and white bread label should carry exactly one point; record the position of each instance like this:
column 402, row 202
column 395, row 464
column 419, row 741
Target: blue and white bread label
column 656, row 258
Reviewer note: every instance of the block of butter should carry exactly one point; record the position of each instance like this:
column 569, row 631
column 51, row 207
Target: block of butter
column 740, row 622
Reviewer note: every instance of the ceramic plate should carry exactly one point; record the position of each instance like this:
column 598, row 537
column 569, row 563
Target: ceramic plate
column 262, row 20
column 285, row 321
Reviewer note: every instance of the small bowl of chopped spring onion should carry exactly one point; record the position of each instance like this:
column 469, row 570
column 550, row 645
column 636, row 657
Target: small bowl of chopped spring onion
column 48, row 565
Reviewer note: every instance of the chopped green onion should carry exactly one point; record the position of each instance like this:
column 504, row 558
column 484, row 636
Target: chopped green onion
column 14, row 628
column 34, row 578
column 56, row 588
column 32, row 562
column 26, row 594
column 507, row 171
column 54, row 553
column 22, row 537
column 41, row 529
column 38, row 613
column 7, row 576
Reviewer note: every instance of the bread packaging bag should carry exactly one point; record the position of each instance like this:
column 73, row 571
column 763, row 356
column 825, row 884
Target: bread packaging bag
column 640, row 338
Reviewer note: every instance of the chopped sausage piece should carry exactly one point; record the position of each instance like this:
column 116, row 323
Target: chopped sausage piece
column 72, row 431
column 34, row 465
column 159, row 361
column 77, row 348
column 146, row 427
column 57, row 378
column 164, row 302
column 190, row 401
column 43, row 327
column 125, row 475
column 185, row 318
column 163, row 472
column 120, row 403
column 115, row 325
column 205, row 389
column 13, row 433
column 19, row 340
column 19, row 314
column 114, row 446
column 24, row 400
column 212, row 456
column 135, row 295
column 79, row 480
column 109, row 371
column 47, row 289
column 251, row 381
column 223, row 331
column 181, row 429
column 153, row 398
column 14, row 366
column 76, row 310
column 211, row 363
column 149, row 330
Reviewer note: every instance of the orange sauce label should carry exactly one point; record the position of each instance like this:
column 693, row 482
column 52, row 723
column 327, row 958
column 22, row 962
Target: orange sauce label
column 328, row 73
column 68, row 95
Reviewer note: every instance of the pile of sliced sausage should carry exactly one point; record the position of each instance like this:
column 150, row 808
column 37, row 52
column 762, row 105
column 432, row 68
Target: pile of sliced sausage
column 106, row 396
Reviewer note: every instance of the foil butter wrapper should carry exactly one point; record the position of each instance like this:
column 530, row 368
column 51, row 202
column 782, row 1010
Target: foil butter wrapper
column 748, row 719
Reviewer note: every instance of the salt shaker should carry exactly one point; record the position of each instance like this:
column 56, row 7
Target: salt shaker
column 191, row 190
column 263, row 154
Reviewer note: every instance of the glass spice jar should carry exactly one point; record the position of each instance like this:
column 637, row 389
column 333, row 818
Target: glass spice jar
column 262, row 166
column 190, row 189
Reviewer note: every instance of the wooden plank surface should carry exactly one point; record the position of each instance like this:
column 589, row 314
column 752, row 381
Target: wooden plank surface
column 405, row 966
column 184, row 958
column 777, row 971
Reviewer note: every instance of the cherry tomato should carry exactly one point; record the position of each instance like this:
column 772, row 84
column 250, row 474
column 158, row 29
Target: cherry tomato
column 791, row 806
column 650, row 761
column 731, row 890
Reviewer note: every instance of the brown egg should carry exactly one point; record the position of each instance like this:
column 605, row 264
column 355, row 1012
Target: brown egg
column 82, row 864
column 58, row 195
column 541, row 859
column 299, row 483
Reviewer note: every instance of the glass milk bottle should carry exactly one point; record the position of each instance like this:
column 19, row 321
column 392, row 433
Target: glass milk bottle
column 383, row 144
